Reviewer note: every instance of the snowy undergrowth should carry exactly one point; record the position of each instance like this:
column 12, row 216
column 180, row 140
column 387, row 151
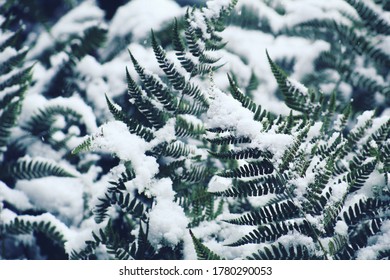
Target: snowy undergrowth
column 182, row 152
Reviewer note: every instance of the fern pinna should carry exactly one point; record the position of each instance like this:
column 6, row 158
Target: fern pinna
column 166, row 130
column 322, row 180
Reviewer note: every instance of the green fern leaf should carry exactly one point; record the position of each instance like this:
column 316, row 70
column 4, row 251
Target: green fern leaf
column 279, row 251
column 27, row 168
column 270, row 184
column 202, row 252
column 268, row 214
column 156, row 117
column 246, row 101
column 133, row 125
column 370, row 17
column 249, row 170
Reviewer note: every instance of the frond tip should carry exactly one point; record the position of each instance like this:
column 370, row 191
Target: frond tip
column 202, row 252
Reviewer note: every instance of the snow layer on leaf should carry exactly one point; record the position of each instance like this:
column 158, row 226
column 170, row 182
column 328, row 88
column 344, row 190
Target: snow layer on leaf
column 226, row 112
column 116, row 138
column 61, row 196
column 219, row 184
column 167, row 220
column 85, row 15
column 139, row 18
column 15, row 197
column 376, row 243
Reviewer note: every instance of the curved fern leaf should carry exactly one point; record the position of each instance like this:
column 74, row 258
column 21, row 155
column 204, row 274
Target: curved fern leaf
column 246, row 102
column 133, row 124
column 26, row 168
column 154, row 87
column 271, row 232
column 248, row 170
column 248, row 153
column 156, row 117
column 258, row 187
column 202, row 252
column 21, row 225
column 268, row 214
column 370, row 17
column 279, row 251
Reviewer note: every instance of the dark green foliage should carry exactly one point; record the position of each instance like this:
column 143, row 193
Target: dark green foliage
column 247, row 101
column 250, row 170
column 374, row 21
column 34, row 168
column 202, row 252
column 289, row 203
column 41, row 123
column 318, row 190
column 360, row 38
column 14, row 86
column 21, row 226
column 282, row 252
column 133, row 124
column 155, row 117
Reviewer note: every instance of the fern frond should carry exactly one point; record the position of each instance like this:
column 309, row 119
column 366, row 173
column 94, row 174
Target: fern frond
column 89, row 41
column 202, row 252
column 156, row 117
column 370, row 17
column 263, row 167
column 272, row 231
column 358, row 237
column 12, row 61
column 268, row 214
column 279, row 251
column 358, row 176
column 21, row 225
column 184, row 128
column 246, row 102
column 8, row 119
column 177, row 149
column 272, row 184
column 84, row 146
column 194, row 174
column 16, row 77
column 41, row 122
column 169, row 68
column 291, row 152
column 133, row 124
column 154, row 87
column 349, row 36
column 230, row 139
column 363, row 209
column 30, row 168
column 296, row 97
column 247, row 153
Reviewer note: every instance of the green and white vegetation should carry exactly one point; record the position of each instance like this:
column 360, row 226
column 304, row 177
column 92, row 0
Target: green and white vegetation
column 239, row 129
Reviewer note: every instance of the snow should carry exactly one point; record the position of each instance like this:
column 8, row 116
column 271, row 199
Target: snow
column 113, row 137
column 62, row 196
column 378, row 242
column 138, row 19
column 226, row 112
column 341, row 228
column 86, row 15
column 14, row 196
column 168, row 222
column 219, row 184
column 65, row 199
